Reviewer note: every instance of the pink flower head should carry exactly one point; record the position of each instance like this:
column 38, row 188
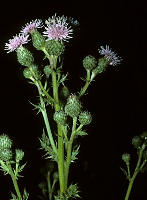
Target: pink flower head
column 16, row 42
column 57, row 28
column 34, row 24
column 110, row 55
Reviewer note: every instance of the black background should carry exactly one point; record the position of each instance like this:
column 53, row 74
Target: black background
column 117, row 98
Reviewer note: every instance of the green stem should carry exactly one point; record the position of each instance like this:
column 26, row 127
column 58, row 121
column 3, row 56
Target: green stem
column 53, row 62
column 137, row 170
column 69, row 151
column 14, row 180
column 45, row 117
column 128, row 168
column 83, row 90
column 49, row 185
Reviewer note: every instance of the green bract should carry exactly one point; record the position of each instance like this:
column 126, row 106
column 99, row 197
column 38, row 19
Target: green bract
column 85, row 118
column 136, row 141
column 60, row 117
column 38, row 40
column 24, row 56
column 126, row 157
column 6, row 154
column 19, row 154
column 55, row 48
column 5, row 142
column 89, row 62
column 73, row 106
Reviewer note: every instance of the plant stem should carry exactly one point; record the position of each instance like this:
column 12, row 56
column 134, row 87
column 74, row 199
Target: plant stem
column 45, row 117
column 49, row 185
column 14, row 180
column 83, row 90
column 53, row 62
column 137, row 170
column 69, row 151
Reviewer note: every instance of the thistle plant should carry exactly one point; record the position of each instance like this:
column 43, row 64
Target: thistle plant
column 50, row 81
column 140, row 143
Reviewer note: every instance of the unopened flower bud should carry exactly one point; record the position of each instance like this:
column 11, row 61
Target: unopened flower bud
column 5, row 142
column 6, row 154
column 47, row 70
column 89, row 62
column 42, row 185
column 85, row 118
column 38, row 40
column 60, row 117
column 102, row 65
column 24, row 56
column 64, row 92
column 50, row 165
column 55, row 175
column 27, row 73
column 19, row 155
column 73, row 106
column 54, row 47
column 136, row 141
column 126, row 158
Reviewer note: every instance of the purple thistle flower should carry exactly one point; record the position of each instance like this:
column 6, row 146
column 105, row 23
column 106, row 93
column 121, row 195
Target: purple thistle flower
column 57, row 28
column 16, row 42
column 34, row 24
column 110, row 55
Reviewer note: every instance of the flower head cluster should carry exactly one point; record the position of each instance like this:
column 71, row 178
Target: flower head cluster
column 110, row 55
column 57, row 28
column 16, row 42
column 29, row 27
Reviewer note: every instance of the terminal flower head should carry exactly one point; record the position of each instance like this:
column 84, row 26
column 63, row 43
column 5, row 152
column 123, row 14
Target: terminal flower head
column 58, row 29
column 110, row 55
column 29, row 27
column 16, row 42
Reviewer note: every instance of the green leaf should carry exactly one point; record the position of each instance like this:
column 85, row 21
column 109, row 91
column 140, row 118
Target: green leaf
column 75, row 153
column 45, row 144
column 4, row 168
column 81, row 133
column 39, row 107
column 125, row 173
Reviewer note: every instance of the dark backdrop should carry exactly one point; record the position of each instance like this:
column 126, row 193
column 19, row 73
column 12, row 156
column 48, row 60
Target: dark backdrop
column 117, row 98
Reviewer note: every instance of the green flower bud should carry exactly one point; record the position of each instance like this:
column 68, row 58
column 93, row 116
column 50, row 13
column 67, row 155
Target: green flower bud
column 54, row 47
column 38, row 40
column 55, row 175
column 73, row 106
column 19, row 155
column 6, row 154
column 64, row 92
column 50, row 165
column 126, row 158
column 24, row 56
column 102, row 65
column 27, row 73
column 136, row 141
column 5, row 142
column 47, row 70
column 89, row 62
column 85, row 118
column 42, row 185
column 60, row 117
